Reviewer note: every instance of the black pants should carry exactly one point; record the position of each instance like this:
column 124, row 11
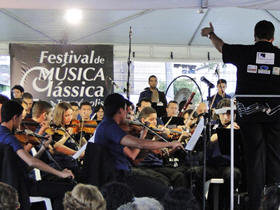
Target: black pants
column 53, row 190
column 262, row 155
column 142, row 186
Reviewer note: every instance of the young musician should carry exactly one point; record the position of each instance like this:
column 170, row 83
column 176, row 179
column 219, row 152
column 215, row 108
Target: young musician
column 219, row 151
column 153, row 163
column 85, row 111
column 99, row 113
column 172, row 120
column 112, row 137
column 75, row 108
column 11, row 118
column 17, row 92
column 28, row 99
column 221, row 86
column 64, row 142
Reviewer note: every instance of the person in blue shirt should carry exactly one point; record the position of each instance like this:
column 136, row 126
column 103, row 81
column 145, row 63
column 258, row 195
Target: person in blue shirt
column 221, row 86
column 11, row 114
column 111, row 136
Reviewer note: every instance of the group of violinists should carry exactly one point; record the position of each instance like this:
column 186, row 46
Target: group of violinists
column 146, row 147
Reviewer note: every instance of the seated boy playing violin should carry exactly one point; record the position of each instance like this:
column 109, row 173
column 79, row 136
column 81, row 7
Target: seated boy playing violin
column 152, row 164
column 11, row 114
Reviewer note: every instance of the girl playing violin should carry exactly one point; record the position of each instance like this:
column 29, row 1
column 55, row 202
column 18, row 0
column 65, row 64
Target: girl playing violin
column 65, row 142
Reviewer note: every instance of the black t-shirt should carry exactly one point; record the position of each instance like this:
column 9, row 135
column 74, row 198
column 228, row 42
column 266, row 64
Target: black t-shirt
column 175, row 121
column 258, row 73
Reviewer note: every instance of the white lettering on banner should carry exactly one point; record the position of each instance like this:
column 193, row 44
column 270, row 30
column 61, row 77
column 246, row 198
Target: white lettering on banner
column 70, row 58
column 61, row 75
column 265, row 58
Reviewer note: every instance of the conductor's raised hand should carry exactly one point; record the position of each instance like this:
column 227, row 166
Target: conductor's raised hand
column 207, row 30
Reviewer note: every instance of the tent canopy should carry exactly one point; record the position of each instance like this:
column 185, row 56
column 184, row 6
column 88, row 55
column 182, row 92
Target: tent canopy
column 159, row 26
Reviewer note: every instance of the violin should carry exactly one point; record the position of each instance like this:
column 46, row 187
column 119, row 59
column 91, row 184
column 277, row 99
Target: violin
column 25, row 138
column 88, row 126
column 30, row 124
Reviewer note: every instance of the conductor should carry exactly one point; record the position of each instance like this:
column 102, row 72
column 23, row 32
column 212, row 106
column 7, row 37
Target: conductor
column 258, row 73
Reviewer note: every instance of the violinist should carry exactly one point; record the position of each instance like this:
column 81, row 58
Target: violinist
column 190, row 119
column 41, row 116
column 111, row 136
column 24, row 106
column 153, row 164
column 221, row 93
column 172, row 120
column 87, row 125
column 85, row 111
column 11, row 114
column 218, row 151
column 65, row 142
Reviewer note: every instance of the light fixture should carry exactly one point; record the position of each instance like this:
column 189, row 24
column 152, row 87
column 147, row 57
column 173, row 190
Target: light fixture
column 73, row 16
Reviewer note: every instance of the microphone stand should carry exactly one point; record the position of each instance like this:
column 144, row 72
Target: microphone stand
column 128, row 63
column 207, row 121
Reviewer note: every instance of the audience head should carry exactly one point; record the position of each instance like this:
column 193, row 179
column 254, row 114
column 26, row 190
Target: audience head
column 116, row 194
column 180, row 199
column 271, row 198
column 264, row 30
column 17, row 91
column 114, row 104
column 8, row 197
column 84, row 197
column 143, row 203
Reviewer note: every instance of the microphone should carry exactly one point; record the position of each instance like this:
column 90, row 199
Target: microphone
column 207, row 82
column 115, row 85
column 130, row 32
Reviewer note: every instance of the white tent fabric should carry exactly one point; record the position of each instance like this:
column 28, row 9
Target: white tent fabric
column 138, row 4
column 159, row 26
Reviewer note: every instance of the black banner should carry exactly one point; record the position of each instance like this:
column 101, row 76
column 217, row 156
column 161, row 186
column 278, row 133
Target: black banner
column 57, row 73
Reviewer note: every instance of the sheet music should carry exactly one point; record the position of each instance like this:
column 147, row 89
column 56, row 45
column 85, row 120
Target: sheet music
column 79, row 152
column 192, row 142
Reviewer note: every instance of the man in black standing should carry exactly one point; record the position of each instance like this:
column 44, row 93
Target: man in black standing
column 258, row 73
column 157, row 97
